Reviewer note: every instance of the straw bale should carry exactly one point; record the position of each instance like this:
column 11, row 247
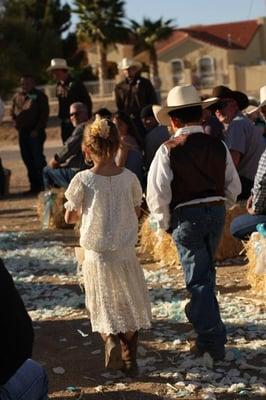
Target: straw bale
column 161, row 247
column 229, row 247
column 57, row 210
column 256, row 281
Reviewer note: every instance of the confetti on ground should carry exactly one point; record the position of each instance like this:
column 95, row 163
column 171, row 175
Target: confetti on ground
column 45, row 274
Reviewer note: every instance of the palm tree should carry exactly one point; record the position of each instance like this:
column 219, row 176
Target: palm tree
column 146, row 36
column 101, row 22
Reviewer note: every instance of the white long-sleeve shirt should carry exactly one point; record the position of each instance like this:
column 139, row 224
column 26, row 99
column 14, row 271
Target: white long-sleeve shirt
column 160, row 176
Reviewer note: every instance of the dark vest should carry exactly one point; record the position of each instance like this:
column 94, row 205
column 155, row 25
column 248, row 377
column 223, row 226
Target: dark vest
column 198, row 163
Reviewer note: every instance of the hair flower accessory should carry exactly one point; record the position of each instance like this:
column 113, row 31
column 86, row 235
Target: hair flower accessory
column 100, row 127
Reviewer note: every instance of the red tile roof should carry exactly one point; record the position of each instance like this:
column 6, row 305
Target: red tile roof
column 233, row 35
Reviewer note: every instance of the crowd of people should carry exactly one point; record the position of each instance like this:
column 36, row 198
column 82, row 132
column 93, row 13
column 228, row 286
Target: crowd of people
column 190, row 159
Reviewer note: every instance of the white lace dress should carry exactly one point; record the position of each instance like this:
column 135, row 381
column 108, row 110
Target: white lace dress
column 116, row 292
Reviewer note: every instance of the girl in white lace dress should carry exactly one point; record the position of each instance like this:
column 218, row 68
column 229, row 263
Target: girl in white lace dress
column 108, row 198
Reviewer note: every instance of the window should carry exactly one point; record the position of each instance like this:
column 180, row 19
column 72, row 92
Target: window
column 206, row 71
column 177, row 71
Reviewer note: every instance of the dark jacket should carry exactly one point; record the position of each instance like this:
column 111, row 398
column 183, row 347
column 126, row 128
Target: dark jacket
column 132, row 96
column 30, row 110
column 16, row 333
column 69, row 92
column 198, row 162
column 71, row 156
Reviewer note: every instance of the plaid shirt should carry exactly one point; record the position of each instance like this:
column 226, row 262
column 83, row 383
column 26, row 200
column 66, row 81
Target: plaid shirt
column 259, row 188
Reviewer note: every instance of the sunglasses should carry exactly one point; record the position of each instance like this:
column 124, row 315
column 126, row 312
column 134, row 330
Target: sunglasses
column 74, row 114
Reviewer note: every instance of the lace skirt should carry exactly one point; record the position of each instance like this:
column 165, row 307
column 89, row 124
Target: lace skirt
column 116, row 292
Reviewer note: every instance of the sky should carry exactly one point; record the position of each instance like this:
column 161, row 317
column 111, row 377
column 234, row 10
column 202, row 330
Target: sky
column 193, row 12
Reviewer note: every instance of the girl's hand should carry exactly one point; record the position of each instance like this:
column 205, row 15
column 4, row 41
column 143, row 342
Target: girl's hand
column 71, row 217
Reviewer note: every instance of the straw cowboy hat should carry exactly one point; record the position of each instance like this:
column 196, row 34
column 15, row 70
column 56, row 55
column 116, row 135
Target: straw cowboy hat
column 58, row 63
column 129, row 62
column 262, row 96
column 223, row 92
column 180, row 97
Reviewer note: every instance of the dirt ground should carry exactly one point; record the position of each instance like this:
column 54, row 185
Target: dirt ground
column 58, row 342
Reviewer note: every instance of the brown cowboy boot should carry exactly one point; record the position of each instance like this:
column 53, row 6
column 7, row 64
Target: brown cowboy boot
column 113, row 359
column 129, row 354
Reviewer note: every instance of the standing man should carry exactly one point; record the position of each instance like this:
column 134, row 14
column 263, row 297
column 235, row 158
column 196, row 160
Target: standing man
column 69, row 160
column 189, row 180
column 30, row 111
column 68, row 91
column 134, row 92
column 245, row 142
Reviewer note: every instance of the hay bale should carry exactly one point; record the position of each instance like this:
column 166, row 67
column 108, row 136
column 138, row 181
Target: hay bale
column 256, row 281
column 229, row 247
column 160, row 246
column 57, row 210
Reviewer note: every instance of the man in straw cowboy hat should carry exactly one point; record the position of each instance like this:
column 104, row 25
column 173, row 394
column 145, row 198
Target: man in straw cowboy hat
column 190, row 178
column 134, row 92
column 244, row 141
column 68, row 91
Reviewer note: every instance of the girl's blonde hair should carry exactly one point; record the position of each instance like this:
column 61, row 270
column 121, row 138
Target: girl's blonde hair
column 101, row 137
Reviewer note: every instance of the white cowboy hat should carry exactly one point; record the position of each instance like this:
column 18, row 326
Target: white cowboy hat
column 262, row 96
column 251, row 109
column 156, row 109
column 58, row 63
column 128, row 62
column 181, row 97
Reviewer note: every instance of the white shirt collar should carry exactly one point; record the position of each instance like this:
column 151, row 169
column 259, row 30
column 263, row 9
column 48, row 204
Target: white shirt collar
column 187, row 130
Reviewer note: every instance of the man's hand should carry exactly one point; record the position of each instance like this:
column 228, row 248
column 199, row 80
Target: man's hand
column 34, row 134
column 249, row 205
column 53, row 163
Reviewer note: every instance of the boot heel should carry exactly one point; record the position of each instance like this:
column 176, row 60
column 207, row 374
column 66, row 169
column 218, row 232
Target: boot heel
column 113, row 358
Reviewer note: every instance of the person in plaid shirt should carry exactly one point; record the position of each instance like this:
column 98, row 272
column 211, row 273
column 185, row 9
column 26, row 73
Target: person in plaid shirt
column 244, row 225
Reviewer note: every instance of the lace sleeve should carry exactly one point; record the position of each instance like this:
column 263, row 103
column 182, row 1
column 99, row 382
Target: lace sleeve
column 136, row 192
column 74, row 194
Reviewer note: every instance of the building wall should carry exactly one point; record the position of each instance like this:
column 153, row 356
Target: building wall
column 248, row 79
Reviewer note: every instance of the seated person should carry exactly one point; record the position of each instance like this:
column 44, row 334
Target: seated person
column 69, row 160
column 242, row 226
column 20, row 376
column 104, row 112
column 155, row 134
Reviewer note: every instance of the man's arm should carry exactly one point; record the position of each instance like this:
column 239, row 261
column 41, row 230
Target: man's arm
column 72, row 145
column 259, row 188
column 232, row 186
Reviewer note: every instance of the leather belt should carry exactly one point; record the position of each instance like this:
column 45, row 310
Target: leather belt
column 206, row 204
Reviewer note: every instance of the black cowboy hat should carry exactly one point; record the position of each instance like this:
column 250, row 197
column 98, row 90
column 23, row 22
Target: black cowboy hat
column 223, row 92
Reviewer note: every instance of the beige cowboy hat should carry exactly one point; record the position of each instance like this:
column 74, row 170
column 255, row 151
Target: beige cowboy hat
column 126, row 63
column 181, row 97
column 58, row 63
column 262, row 96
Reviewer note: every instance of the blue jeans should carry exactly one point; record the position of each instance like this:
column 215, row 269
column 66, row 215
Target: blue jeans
column 196, row 232
column 30, row 382
column 57, row 177
column 242, row 226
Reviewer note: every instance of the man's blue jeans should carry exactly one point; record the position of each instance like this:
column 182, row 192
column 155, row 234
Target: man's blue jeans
column 30, row 382
column 57, row 177
column 243, row 226
column 196, row 232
